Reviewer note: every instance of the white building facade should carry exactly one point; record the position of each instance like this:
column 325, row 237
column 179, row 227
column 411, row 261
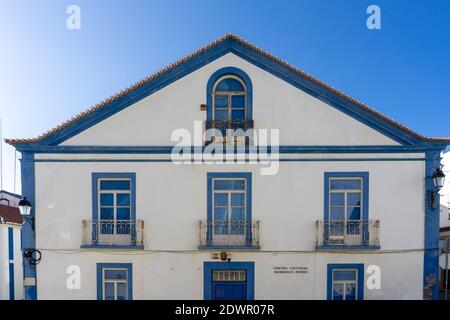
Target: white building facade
column 338, row 202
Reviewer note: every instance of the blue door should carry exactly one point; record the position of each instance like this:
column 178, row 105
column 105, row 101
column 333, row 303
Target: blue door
column 229, row 285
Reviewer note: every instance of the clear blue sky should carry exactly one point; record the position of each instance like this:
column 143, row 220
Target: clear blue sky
column 49, row 73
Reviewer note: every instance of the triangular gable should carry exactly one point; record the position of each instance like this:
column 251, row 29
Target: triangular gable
column 211, row 52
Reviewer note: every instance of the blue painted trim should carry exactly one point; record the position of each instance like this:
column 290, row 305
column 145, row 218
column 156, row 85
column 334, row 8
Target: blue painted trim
column 119, row 247
column 431, row 232
column 208, row 267
column 37, row 148
column 11, row 264
column 29, row 235
column 10, row 243
column 281, row 160
column 105, row 175
column 11, row 281
column 245, row 175
column 347, row 248
column 250, row 55
column 357, row 266
column 101, row 266
column 225, row 72
column 365, row 208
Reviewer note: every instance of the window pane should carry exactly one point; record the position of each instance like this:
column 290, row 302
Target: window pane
column 238, row 102
column 123, row 213
column 221, row 115
column 121, row 291
column 229, row 184
column 221, row 199
column 115, row 274
column 344, row 275
column 109, row 291
column 354, row 199
column 221, row 101
column 229, row 84
column 238, row 115
column 237, row 199
column 115, row 185
column 106, row 213
column 123, row 199
column 354, row 213
column 238, row 214
column 106, row 199
column 338, row 291
column 220, row 214
column 337, row 213
column 345, row 184
column 337, row 199
column 350, row 291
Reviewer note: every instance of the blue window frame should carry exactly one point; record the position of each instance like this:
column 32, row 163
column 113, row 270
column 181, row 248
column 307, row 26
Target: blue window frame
column 345, row 282
column 114, row 205
column 229, row 100
column 114, row 281
column 213, row 285
column 346, row 206
column 229, row 208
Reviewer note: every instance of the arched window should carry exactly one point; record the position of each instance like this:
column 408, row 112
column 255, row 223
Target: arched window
column 230, row 102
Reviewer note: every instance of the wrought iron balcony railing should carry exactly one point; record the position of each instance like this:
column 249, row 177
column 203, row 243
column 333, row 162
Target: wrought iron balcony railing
column 113, row 233
column 229, row 233
column 348, row 233
column 233, row 137
column 222, row 125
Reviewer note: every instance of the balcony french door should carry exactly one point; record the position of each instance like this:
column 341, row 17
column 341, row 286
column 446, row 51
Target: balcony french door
column 229, row 212
column 345, row 211
column 114, row 225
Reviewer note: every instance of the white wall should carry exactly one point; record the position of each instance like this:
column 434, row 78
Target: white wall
column 4, row 263
column 171, row 199
column 180, row 276
column 302, row 119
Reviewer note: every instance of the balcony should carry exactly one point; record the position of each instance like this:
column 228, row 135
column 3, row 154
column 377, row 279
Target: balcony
column 224, row 125
column 229, row 234
column 339, row 234
column 113, row 234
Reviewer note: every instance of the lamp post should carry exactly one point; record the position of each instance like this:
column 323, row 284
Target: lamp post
column 32, row 256
column 438, row 182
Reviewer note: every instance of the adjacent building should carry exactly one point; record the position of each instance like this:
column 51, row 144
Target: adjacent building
column 11, row 269
column 444, row 231
column 322, row 197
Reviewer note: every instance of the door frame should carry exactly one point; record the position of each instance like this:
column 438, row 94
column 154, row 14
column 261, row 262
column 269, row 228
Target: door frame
column 208, row 268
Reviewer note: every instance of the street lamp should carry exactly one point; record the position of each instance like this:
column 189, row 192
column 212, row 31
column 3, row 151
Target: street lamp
column 438, row 182
column 25, row 211
column 33, row 255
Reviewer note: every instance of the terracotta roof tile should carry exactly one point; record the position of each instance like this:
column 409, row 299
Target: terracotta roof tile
column 10, row 215
column 157, row 74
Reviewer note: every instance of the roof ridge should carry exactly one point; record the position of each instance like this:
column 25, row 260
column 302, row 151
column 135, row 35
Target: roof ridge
column 191, row 55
